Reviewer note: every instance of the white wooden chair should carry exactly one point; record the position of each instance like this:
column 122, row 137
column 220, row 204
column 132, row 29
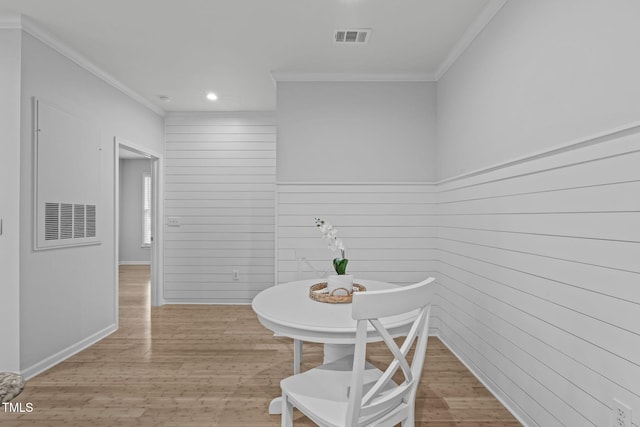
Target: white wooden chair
column 351, row 392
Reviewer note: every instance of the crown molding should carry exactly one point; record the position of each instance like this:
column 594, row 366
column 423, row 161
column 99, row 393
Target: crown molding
column 10, row 22
column 487, row 14
column 351, row 77
column 30, row 27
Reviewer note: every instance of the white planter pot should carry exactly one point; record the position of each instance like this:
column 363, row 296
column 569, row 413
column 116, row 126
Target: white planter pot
column 340, row 284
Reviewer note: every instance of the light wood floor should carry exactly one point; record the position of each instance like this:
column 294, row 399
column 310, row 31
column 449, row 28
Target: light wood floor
column 205, row 365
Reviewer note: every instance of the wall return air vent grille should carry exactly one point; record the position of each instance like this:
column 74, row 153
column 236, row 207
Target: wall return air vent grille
column 66, row 221
column 352, row 36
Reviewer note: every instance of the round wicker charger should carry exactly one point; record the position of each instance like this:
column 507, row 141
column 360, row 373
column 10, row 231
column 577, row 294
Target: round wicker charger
column 333, row 299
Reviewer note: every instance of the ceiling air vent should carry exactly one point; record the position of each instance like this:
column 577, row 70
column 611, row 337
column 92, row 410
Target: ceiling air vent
column 352, row 36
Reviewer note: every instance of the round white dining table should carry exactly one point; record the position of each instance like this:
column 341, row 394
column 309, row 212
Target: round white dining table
column 288, row 310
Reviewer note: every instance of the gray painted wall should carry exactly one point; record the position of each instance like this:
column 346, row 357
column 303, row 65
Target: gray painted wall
column 67, row 295
column 541, row 74
column 10, row 199
column 356, row 131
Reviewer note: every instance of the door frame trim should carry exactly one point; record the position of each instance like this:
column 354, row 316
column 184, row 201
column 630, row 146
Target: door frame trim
column 157, row 248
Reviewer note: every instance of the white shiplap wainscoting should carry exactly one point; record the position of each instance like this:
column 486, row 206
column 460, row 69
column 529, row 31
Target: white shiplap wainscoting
column 220, row 184
column 388, row 229
column 539, row 272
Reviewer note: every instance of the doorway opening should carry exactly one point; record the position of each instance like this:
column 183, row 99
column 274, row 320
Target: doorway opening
column 138, row 217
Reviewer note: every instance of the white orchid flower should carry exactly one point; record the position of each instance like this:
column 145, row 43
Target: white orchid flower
column 335, row 244
column 325, row 228
column 330, row 233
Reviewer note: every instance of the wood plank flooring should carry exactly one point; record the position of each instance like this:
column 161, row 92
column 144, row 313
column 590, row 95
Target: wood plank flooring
column 209, row 365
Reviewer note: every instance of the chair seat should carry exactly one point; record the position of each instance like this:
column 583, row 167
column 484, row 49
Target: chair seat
column 324, row 390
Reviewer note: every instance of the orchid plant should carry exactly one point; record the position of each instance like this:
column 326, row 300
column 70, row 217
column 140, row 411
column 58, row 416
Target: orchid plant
column 329, row 233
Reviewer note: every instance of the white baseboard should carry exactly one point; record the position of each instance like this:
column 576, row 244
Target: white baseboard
column 61, row 356
column 504, row 400
column 135, row 262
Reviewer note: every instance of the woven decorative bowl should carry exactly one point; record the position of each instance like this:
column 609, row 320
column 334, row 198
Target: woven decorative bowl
column 314, row 294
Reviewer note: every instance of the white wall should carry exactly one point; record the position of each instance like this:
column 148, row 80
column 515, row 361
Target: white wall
column 131, row 198
column 68, row 295
column 220, row 183
column 541, row 74
column 356, row 131
column 10, row 198
column 539, row 259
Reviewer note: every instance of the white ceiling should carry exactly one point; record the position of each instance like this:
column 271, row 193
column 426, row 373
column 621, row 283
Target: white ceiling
column 182, row 49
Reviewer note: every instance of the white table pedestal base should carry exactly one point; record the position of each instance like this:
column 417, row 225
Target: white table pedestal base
column 333, row 352
column 275, row 407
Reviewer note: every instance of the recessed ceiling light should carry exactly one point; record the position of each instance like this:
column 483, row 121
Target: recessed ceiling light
column 212, row 96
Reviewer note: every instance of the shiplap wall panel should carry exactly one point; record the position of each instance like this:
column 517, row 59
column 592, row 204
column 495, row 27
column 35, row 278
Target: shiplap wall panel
column 213, row 138
column 221, row 129
column 599, row 280
column 518, row 379
column 531, row 330
column 599, row 198
column 219, row 147
column 538, row 271
column 622, row 343
column 388, row 229
column 611, row 254
column 415, row 232
column 536, row 346
column 384, row 226
column 619, row 226
column 610, row 309
column 220, row 182
column 229, row 154
column 593, row 371
column 198, row 262
column 355, row 220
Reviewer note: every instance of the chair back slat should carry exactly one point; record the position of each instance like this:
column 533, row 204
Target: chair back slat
column 389, row 401
column 390, row 302
column 398, row 361
column 385, row 396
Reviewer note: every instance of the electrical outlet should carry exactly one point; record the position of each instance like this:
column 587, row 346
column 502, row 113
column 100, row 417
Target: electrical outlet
column 621, row 414
column 173, row 221
column 236, row 275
